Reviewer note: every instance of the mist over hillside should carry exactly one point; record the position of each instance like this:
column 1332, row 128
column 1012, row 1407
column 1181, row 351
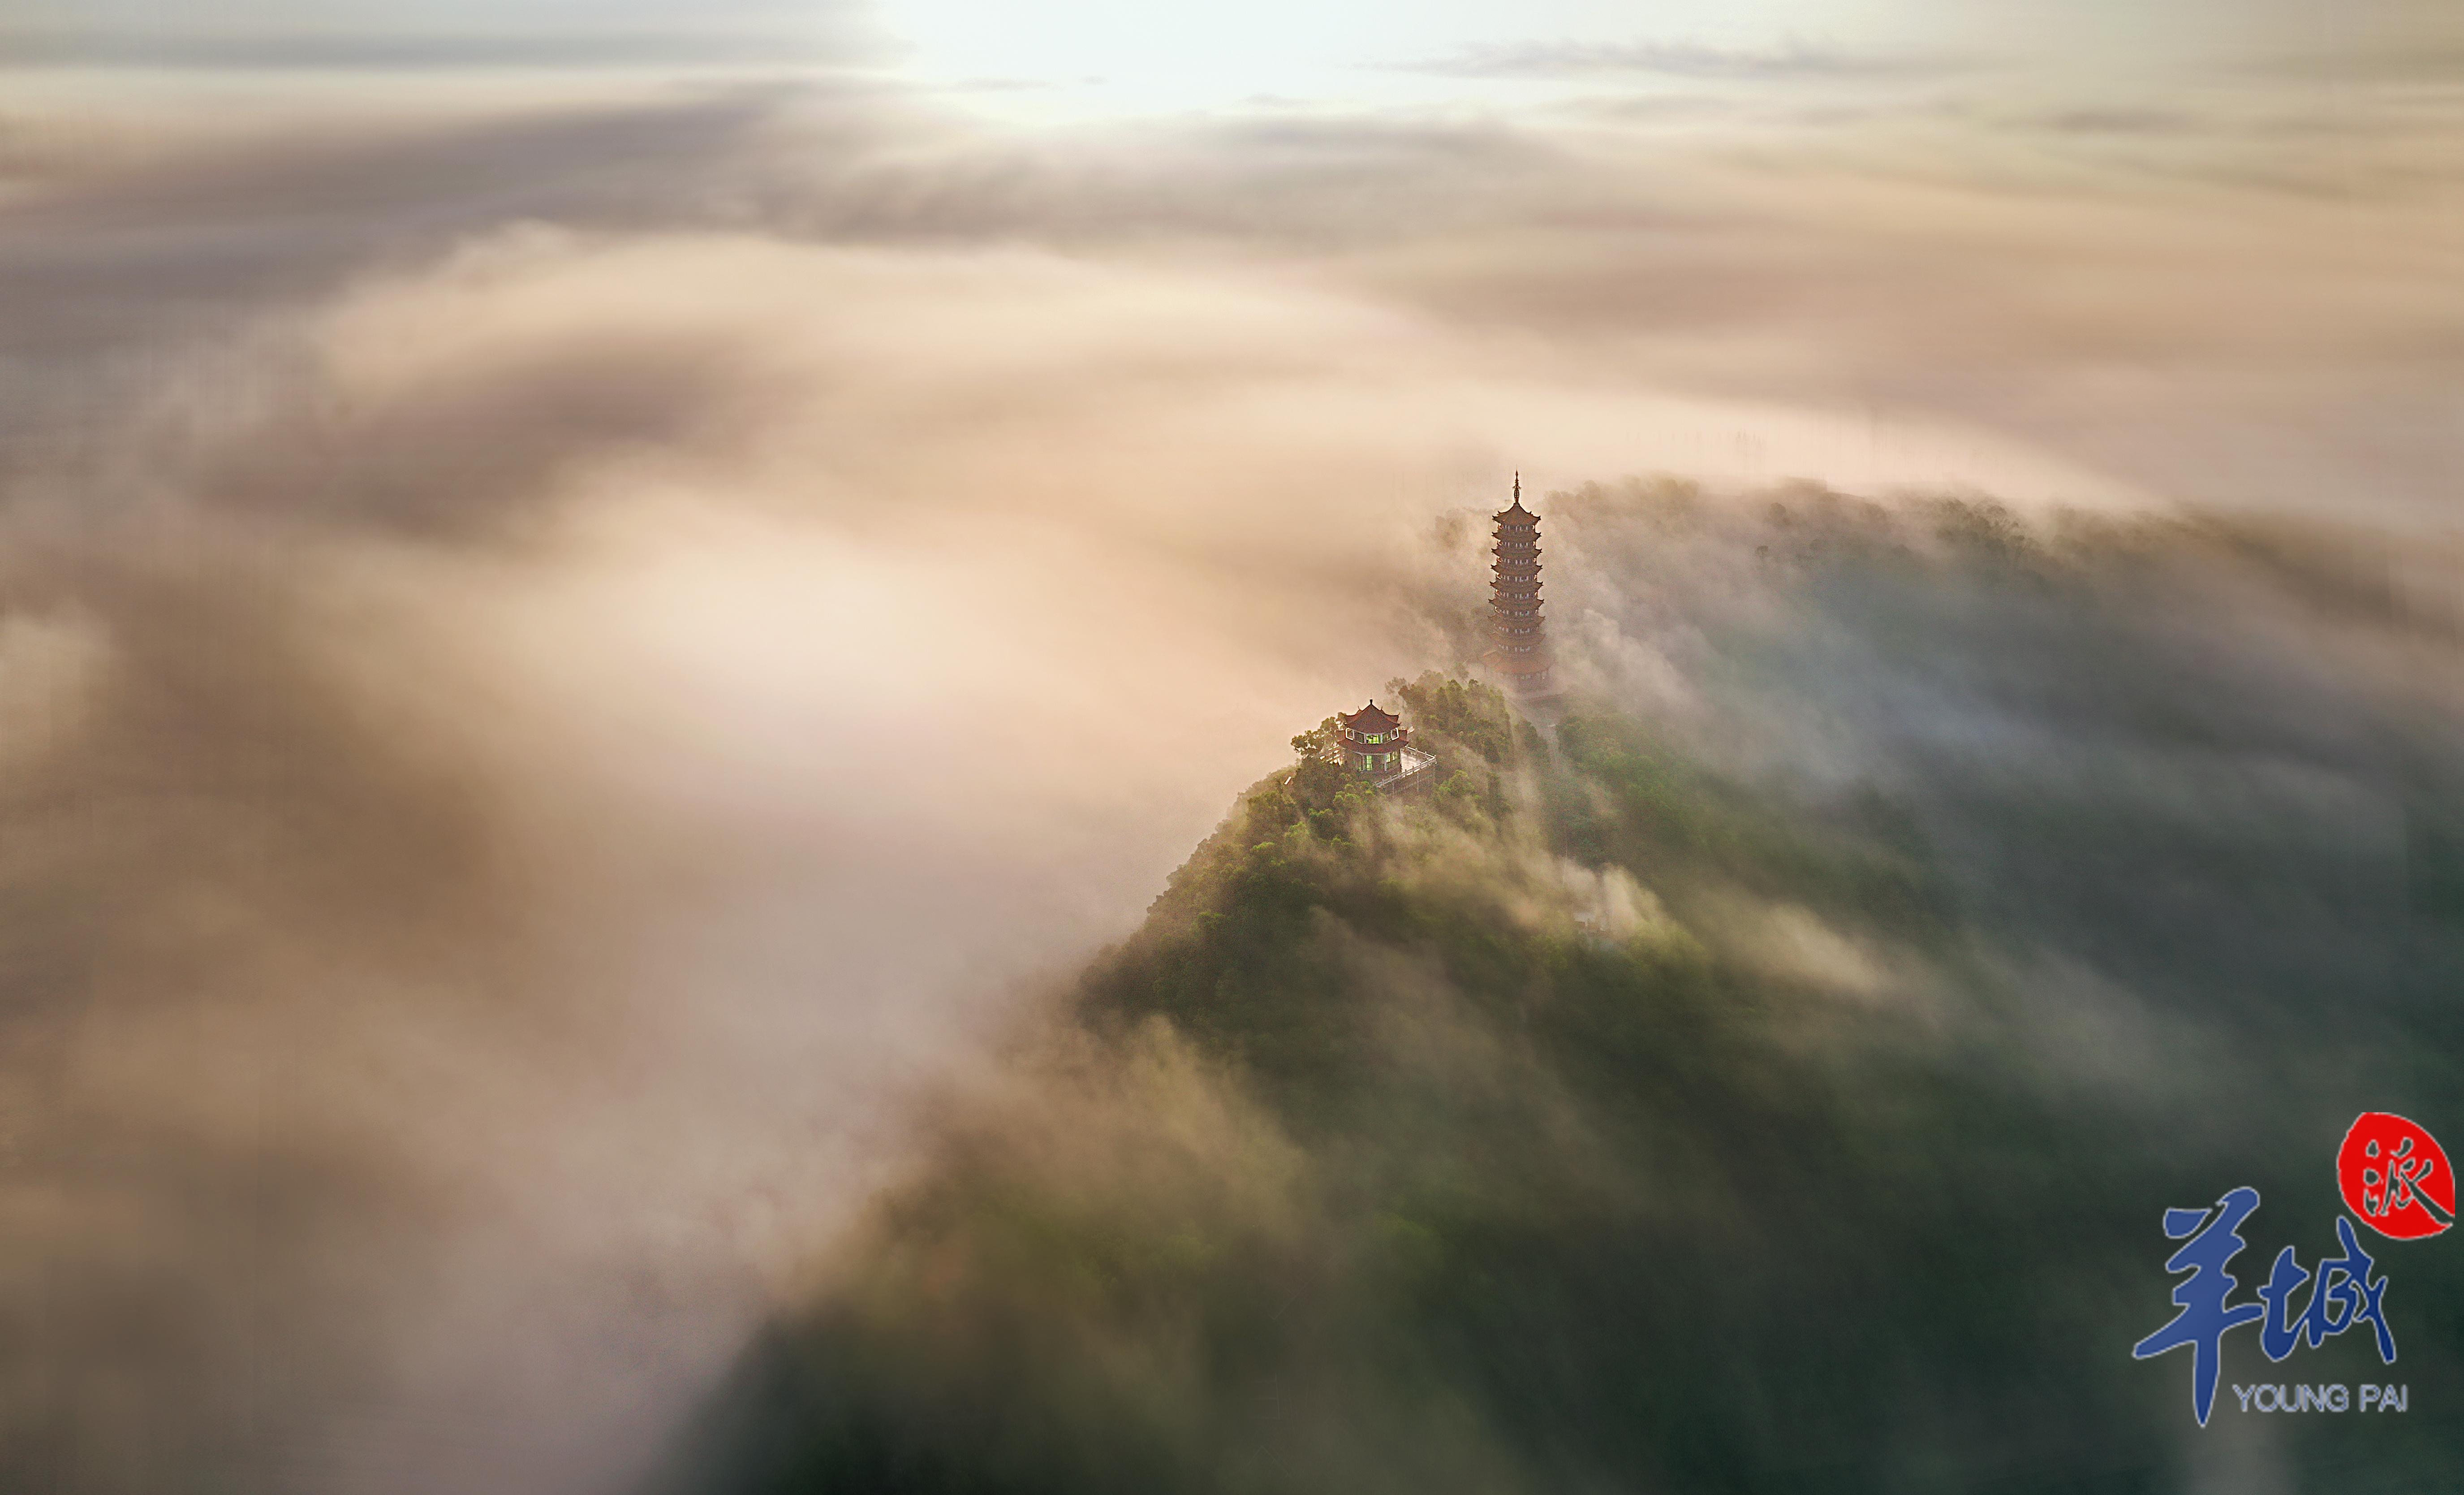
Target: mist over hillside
column 1770, row 1079
column 599, row 619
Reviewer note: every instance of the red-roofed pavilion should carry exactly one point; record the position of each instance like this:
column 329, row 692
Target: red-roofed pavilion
column 1374, row 741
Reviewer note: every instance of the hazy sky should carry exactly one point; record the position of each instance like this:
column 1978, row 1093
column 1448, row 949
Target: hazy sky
column 1264, row 46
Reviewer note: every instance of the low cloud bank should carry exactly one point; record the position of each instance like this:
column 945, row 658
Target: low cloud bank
column 561, row 664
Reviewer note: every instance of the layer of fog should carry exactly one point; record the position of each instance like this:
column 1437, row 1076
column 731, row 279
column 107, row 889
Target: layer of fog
column 562, row 661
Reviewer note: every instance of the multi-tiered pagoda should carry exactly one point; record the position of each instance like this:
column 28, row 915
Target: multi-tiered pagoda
column 1520, row 652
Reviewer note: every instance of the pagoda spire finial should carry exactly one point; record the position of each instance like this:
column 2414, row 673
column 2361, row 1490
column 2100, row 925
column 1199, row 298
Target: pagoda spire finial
column 1518, row 485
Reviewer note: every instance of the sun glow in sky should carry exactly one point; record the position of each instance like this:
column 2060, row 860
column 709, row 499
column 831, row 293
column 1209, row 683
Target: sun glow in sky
column 1132, row 57
column 1139, row 55
column 1129, row 58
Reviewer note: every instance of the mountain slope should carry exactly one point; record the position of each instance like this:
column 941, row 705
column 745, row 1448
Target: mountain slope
column 1619, row 1118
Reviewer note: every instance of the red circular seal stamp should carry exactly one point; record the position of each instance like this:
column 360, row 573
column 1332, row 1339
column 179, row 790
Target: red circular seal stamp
column 2393, row 1176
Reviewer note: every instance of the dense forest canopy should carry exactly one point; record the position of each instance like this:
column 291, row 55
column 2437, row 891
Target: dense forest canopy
column 1776, row 1089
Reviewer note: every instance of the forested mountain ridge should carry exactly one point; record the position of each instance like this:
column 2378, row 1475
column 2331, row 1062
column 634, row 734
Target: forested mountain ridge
column 1622, row 1117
